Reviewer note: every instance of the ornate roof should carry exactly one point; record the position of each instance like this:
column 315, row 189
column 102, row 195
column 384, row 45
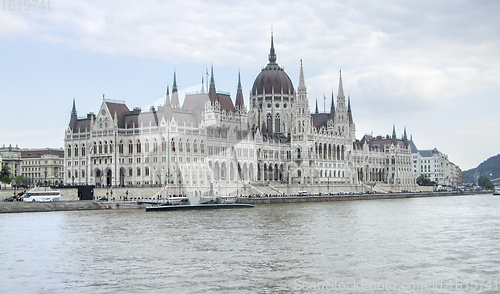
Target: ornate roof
column 272, row 77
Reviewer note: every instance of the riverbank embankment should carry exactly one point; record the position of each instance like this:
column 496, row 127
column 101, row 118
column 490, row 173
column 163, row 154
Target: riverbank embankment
column 352, row 197
column 15, row 207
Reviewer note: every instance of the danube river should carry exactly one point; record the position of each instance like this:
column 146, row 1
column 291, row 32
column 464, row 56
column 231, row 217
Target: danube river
column 416, row 245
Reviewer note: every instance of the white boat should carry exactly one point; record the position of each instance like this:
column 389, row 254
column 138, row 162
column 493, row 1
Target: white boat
column 35, row 195
column 496, row 192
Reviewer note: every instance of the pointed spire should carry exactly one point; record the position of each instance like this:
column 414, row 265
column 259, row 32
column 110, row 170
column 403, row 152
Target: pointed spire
column 348, row 103
column 202, row 85
column 174, row 86
column 405, row 137
column 212, row 81
column 211, row 92
column 302, row 83
column 341, row 87
column 175, row 94
column 167, row 98
column 333, row 103
column 272, row 54
column 239, row 83
column 316, row 111
column 239, row 94
column 73, row 110
column 393, row 131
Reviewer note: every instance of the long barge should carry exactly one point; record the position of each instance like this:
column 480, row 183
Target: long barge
column 198, row 207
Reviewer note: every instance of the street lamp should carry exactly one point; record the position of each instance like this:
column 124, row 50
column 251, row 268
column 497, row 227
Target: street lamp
column 45, row 181
column 73, row 179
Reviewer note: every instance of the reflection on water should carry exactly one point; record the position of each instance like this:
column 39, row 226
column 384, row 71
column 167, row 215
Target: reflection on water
column 267, row 249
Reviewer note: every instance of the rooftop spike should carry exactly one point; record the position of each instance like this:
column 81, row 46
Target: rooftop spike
column 73, row 110
column 393, row 131
column 212, row 81
column 341, row 87
column 239, row 83
column 316, row 106
column 272, row 54
column 174, row 86
column 302, row 83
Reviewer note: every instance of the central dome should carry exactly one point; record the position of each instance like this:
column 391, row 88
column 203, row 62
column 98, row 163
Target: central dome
column 272, row 76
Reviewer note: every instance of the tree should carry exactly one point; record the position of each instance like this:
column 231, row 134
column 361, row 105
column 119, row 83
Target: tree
column 5, row 180
column 19, row 180
column 5, row 171
column 425, row 181
column 485, row 183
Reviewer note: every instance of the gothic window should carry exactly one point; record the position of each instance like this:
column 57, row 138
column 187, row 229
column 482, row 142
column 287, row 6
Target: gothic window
column 188, row 147
column 277, row 123
column 130, row 172
column 195, row 147
column 100, row 147
column 83, row 150
column 155, row 146
column 202, row 147
column 163, row 145
column 138, row 171
column 130, row 147
column 146, row 146
column 146, row 171
column 69, row 150
column 120, row 146
column 105, row 147
column 138, row 146
column 269, row 123
column 76, row 150
column 172, row 145
column 180, row 146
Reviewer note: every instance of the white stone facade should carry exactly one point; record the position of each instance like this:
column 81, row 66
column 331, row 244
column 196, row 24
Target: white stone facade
column 277, row 142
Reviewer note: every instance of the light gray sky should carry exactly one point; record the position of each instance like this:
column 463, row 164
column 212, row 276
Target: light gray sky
column 432, row 66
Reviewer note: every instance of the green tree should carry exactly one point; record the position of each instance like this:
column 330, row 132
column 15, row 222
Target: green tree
column 19, row 180
column 4, row 171
column 5, row 180
column 425, row 181
column 485, row 183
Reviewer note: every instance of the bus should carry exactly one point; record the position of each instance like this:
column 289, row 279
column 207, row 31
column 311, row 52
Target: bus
column 42, row 196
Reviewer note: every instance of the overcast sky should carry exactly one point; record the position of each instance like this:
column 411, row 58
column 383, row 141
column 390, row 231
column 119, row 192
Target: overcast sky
column 430, row 66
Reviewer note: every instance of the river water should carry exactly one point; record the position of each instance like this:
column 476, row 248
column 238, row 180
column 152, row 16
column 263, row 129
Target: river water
column 419, row 245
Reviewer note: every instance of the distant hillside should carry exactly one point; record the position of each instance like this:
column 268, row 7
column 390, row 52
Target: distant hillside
column 487, row 167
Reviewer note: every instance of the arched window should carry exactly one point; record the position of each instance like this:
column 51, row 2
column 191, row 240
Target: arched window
column 69, row 150
column 180, row 146
column 83, row 150
column 146, row 171
column 100, row 147
column 130, row 147
column 163, row 145
column 138, row 171
column 202, row 147
column 188, row 147
column 277, row 123
column 76, row 150
column 146, row 146
column 172, row 145
column 105, row 147
column 195, row 147
column 120, row 146
column 269, row 123
column 138, row 146
column 155, row 146
column 130, row 172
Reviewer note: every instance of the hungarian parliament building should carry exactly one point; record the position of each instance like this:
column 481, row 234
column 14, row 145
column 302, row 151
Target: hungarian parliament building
column 274, row 144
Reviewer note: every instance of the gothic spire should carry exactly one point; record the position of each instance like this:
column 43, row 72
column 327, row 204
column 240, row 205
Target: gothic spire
column 348, row 103
column 167, row 98
column 405, row 137
column 174, row 86
column 239, row 94
column 202, row 85
column 272, row 54
column 302, row 83
column 73, row 110
column 333, row 103
column 341, row 87
column 393, row 131
column 316, row 106
column 212, row 81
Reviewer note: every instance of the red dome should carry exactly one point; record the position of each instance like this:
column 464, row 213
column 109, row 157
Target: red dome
column 272, row 76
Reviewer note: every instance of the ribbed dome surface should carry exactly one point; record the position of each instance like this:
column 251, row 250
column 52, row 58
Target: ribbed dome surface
column 272, row 76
